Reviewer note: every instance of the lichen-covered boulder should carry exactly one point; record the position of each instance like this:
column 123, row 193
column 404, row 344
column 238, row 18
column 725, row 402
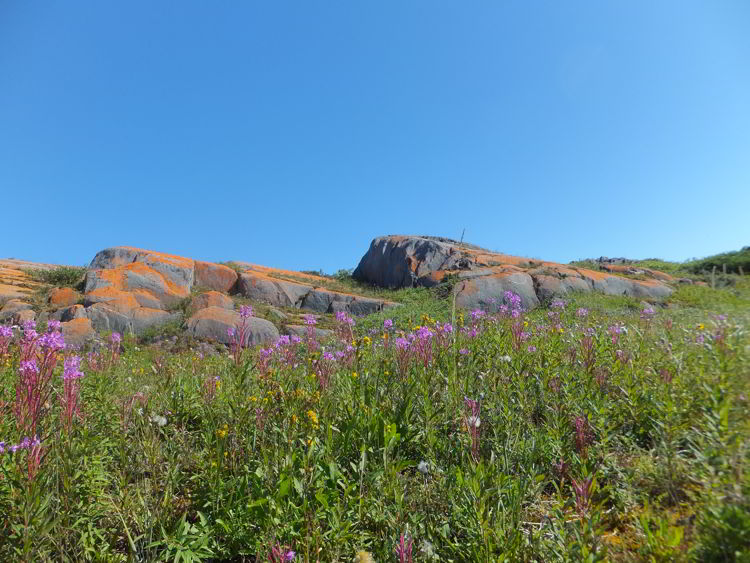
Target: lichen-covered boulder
column 281, row 293
column 214, row 323
column 63, row 297
column 12, row 307
column 211, row 299
column 214, row 276
column 77, row 332
column 405, row 261
column 481, row 291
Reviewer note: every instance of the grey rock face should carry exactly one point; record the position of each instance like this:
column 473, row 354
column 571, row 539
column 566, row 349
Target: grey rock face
column 275, row 292
column 178, row 270
column 401, row 261
column 405, row 261
column 135, row 321
column 213, row 323
column 480, row 291
column 12, row 307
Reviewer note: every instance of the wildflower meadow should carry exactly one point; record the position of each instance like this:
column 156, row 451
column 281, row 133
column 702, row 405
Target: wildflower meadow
column 594, row 428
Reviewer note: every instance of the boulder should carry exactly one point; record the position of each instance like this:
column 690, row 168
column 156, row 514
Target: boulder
column 406, row 261
column 482, row 291
column 281, row 293
column 176, row 269
column 211, row 299
column 77, row 332
column 63, row 297
column 70, row 313
column 215, row 276
column 23, row 316
column 12, row 307
column 213, row 323
column 400, row 261
column 105, row 317
column 549, row 287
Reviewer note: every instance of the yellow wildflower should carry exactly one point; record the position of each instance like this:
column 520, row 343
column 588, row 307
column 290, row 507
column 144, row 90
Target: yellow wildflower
column 295, row 419
column 312, row 415
column 363, row 557
column 354, row 375
column 367, row 341
column 701, row 326
column 223, row 431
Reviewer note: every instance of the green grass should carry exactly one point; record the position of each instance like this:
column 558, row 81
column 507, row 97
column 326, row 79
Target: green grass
column 736, row 263
column 62, row 276
column 163, row 464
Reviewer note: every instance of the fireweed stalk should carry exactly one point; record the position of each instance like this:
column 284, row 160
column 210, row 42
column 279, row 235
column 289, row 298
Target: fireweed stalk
column 6, row 335
column 114, row 347
column 473, row 423
column 71, row 391
column 310, row 322
column 238, row 335
column 38, row 360
column 404, row 549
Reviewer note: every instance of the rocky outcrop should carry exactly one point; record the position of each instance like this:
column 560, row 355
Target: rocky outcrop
column 63, row 297
column 211, row 299
column 282, row 288
column 214, row 323
column 483, row 276
column 78, row 332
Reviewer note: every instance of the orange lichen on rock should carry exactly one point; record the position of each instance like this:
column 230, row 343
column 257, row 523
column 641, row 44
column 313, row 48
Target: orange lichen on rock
column 63, row 297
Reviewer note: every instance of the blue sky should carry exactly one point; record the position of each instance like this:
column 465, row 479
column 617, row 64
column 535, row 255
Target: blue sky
column 292, row 133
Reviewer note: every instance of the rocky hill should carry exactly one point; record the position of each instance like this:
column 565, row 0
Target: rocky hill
column 408, row 261
column 132, row 290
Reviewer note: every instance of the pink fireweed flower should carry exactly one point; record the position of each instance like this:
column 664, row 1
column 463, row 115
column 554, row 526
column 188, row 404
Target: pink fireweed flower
column 584, row 436
column 582, row 490
column 387, row 324
column 246, row 311
column 476, row 315
column 52, row 341
column 71, row 391
column 512, row 299
column 423, row 345
column 647, row 313
column 53, row 325
column 532, row 348
column 582, row 312
column 6, row 335
column 33, row 388
column 404, row 549
column 558, row 304
column 310, row 320
column 615, row 331
column 114, row 347
column 473, row 423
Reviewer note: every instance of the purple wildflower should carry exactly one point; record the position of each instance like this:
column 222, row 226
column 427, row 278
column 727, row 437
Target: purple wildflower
column 582, row 312
column 387, row 324
column 246, row 311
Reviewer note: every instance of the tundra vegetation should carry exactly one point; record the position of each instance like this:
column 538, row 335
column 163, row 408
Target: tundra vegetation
column 595, row 428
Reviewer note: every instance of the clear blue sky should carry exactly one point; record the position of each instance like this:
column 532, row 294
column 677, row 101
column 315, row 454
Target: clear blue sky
column 292, row 133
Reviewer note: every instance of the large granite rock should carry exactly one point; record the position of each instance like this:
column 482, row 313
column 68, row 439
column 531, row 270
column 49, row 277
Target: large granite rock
column 213, row 323
column 260, row 284
column 483, row 276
